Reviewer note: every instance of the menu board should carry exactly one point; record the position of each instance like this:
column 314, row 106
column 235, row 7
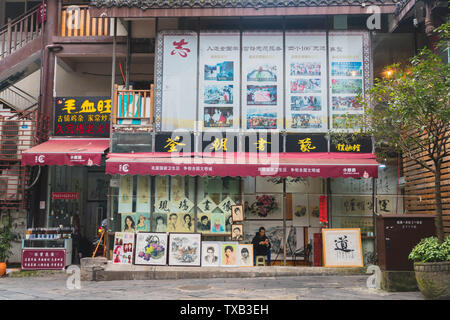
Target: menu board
column 262, row 80
column 219, row 68
column 346, row 72
column 306, row 81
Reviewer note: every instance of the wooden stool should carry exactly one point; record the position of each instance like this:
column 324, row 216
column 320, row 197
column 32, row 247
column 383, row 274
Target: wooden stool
column 260, row 261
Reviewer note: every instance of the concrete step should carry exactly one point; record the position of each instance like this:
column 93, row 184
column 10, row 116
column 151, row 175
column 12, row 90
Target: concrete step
column 107, row 271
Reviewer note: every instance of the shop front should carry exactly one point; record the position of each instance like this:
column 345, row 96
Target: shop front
column 74, row 161
column 293, row 195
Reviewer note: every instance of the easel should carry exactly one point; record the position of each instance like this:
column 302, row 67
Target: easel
column 288, row 244
column 96, row 248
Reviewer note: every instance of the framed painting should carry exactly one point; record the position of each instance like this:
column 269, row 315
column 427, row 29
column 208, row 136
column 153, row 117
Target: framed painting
column 263, row 206
column 129, row 221
column 237, row 213
column 211, row 253
column 245, row 255
column 229, row 254
column 151, row 248
column 143, row 221
column 123, row 248
column 185, row 249
column 237, row 232
column 342, row 247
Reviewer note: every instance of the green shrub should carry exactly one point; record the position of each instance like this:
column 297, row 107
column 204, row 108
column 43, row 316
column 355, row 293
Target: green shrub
column 429, row 250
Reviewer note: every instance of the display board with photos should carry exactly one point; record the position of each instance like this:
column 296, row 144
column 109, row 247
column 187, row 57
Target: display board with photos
column 348, row 69
column 306, row 79
column 219, row 69
column 185, row 249
column 262, row 80
column 342, row 247
column 250, row 75
column 123, row 248
column 151, row 248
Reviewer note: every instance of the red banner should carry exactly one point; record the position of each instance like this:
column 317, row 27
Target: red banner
column 323, row 209
column 65, row 195
column 43, row 259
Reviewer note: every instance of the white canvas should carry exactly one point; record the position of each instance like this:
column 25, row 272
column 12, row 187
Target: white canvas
column 342, row 247
column 211, row 253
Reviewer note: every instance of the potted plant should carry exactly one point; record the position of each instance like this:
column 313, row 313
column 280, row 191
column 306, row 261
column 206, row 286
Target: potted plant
column 5, row 245
column 432, row 267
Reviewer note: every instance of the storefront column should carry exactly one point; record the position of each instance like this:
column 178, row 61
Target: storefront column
column 113, row 72
column 374, row 214
column 284, row 221
column 2, row 12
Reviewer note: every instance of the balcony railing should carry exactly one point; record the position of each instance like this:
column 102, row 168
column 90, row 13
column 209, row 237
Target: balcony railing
column 18, row 32
column 77, row 22
column 133, row 107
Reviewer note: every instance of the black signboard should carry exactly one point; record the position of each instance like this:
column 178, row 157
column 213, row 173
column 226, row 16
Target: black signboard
column 82, row 116
column 306, row 143
column 352, row 144
column 218, row 142
column 174, row 142
column 263, row 142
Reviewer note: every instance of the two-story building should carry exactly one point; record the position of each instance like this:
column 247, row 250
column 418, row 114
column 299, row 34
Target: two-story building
column 165, row 114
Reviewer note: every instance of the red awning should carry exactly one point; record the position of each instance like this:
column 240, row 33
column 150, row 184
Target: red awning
column 70, row 152
column 325, row 165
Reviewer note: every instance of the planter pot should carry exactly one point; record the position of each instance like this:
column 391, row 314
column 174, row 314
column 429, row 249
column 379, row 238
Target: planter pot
column 433, row 279
column 2, row 268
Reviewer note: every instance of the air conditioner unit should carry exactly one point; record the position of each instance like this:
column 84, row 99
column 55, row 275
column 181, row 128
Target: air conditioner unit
column 9, row 188
column 9, row 139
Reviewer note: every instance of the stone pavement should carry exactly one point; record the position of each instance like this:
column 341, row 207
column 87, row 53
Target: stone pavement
column 311, row 287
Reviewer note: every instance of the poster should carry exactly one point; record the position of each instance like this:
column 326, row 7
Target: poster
column 176, row 92
column 126, row 194
column 211, row 253
column 342, row 248
column 306, row 82
column 151, row 249
column 229, row 254
column 300, row 210
column 262, row 80
column 245, row 255
column 123, row 248
column 128, row 221
column 347, row 77
column 162, row 203
column 184, row 249
column 219, row 69
column 314, row 210
column 159, row 222
column 204, row 222
column 82, row 116
column 180, row 222
column 143, row 194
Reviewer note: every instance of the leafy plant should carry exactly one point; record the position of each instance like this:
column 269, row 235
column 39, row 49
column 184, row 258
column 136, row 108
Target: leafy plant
column 429, row 250
column 6, row 237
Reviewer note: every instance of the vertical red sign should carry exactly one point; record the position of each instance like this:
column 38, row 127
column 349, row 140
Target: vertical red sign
column 323, row 209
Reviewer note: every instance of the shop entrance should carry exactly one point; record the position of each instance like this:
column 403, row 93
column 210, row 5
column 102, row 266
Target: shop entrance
column 78, row 200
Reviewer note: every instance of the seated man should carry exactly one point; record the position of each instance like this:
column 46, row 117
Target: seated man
column 261, row 245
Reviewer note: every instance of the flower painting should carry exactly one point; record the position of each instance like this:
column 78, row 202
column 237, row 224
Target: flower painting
column 184, row 249
column 151, row 248
column 263, row 206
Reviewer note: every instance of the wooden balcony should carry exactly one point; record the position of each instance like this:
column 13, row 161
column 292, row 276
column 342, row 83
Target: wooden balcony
column 133, row 109
column 77, row 22
column 19, row 32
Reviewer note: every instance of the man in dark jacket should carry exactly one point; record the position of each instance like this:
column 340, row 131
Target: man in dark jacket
column 261, row 245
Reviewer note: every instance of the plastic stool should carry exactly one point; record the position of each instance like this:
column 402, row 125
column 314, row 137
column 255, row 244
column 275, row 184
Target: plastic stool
column 260, row 261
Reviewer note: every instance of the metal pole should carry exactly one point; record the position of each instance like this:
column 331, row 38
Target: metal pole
column 127, row 71
column 374, row 214
column 113, row 72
